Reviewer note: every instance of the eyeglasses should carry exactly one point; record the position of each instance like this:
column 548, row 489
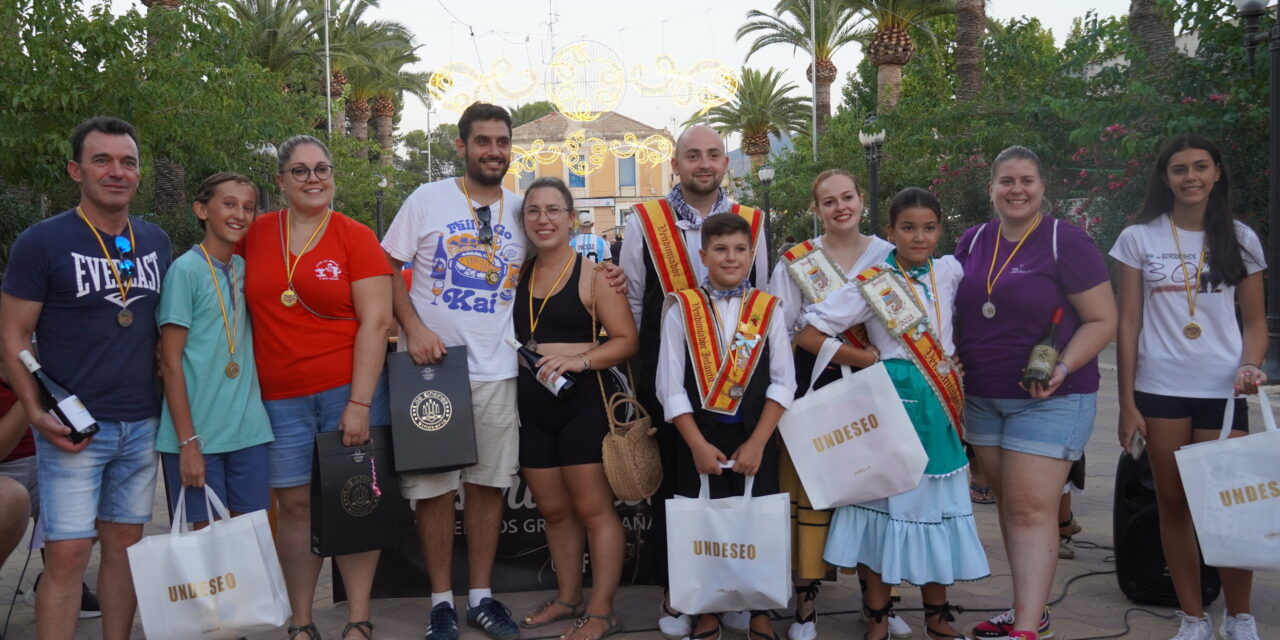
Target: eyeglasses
column 127, row 268
column 534, row 213
column 485, row 234
column 302, row 174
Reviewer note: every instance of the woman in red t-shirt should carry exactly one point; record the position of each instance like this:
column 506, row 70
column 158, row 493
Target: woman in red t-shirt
column 320, row 301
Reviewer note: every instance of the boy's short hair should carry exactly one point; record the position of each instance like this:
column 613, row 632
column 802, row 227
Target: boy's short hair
column 725, row 225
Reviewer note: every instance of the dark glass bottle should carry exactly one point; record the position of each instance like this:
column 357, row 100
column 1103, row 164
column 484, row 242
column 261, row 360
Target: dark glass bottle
column 1044, row 356
column 562, row 387
column 64, row 404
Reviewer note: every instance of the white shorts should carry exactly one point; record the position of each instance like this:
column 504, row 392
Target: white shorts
column 497, row 424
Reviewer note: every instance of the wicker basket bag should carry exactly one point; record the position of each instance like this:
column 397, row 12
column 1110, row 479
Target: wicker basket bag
column 630, row 453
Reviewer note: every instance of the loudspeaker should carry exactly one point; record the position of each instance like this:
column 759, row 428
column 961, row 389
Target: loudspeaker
column 1140, row 565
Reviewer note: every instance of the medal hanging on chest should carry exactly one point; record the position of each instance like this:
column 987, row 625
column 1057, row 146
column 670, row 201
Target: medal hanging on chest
column 491, row 277
column 125, row 272
column 230, row 322
column 989, row 307
column 532, row 344
column 1192, row 329
column 289, row 297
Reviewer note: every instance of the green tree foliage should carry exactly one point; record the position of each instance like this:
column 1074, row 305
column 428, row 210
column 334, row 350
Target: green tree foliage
column 530, row 111
column 443, row 157
column 1091, row 109
column 764, row 105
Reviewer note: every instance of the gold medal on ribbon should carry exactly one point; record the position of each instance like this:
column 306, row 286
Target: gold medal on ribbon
column 989, row 308
column 492, row 278
column 1192, row 329
column 124, row 318
column 233, row 370
column 288, row 298
column 231, row 325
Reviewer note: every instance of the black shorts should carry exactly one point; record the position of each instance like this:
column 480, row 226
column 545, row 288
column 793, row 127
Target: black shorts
column 1205, row 413
column 560, row 433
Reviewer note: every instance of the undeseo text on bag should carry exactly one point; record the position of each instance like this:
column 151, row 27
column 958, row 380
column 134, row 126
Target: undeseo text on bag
column 727, row 550
column 1250, row 493
column 210, row 587
column 846, row 433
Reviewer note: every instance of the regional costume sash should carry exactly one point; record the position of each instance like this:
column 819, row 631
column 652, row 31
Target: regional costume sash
column 818, row 276
column 907, row 321
column 723, row 371
column 666, row 244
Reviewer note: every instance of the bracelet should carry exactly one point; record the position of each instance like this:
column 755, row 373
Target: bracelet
column 586, row 361
column 1065, row 371
column 367, row 405
column 196, row 438
column 1249, row 364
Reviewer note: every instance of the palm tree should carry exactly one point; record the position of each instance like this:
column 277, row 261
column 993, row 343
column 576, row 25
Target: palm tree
column 762, row 106
column 280, row 34
column 971, row 20
column 169, row 196
column 890, row 46
column 1153, row 31
column 789, row 23
column 530, row 111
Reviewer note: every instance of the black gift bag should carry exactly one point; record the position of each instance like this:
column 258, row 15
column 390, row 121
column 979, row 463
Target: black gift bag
column 349, row 512
column 431, row 418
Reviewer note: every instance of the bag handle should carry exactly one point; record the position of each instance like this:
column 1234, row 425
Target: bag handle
column 704, row 484
column 824, row 357
column 619, row 398
column 212, row 506
column 1229, row 415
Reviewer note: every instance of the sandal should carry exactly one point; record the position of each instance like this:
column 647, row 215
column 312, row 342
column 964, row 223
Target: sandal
column 943, row 613
column 752, row 633
column 877, row 615
column 709, row 634
column 310, row 629
column 614, row 626
column 981, row 495
column 364, row 627
column 575, row 611
column 807, row 593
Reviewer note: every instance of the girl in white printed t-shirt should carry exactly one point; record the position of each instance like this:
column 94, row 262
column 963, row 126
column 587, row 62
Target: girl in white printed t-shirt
column 1184, row 263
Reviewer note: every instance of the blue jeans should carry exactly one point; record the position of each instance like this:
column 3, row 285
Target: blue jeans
column 239, row 478
column 113, row 479
column 296, row 421
column 1058, row 427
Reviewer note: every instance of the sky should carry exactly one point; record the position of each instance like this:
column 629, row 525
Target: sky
column 482, row 33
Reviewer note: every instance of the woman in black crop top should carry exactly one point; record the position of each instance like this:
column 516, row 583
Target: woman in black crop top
column 560, row 440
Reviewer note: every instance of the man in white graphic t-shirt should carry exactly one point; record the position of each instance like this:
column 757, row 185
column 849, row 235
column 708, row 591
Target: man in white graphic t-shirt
column 467, row 246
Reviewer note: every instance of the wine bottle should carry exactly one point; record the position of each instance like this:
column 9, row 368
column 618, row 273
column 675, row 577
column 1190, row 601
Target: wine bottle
column 1044, row 356
column 64, row 405
column 562, row 387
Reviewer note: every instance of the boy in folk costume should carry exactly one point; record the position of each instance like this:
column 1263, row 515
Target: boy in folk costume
column 719, row 385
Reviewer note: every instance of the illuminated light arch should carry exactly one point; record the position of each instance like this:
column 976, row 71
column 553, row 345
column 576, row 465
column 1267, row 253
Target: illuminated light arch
column 584, row 80
column 706, row 84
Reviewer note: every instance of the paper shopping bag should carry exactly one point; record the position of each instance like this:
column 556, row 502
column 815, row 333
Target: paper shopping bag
column 729, row 554
column 355, row 495
column 851, row 441
column 222, row 581
column 1233, row 489
column 431, row 418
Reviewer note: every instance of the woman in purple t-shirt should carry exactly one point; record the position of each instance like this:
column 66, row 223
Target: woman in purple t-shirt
column 1019, row 268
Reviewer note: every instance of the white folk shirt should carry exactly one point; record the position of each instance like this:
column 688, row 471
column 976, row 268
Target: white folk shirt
column 1166, row 357
column 781, row 284
column 437, row 231
column 633, row 249
column 673, row 355
column 848, row 307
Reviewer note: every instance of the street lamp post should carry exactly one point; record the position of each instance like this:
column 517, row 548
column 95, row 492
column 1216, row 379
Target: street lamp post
column 377, row 206
column 766, row 177
column 873, row 145
column 267, row 152
column 1252, row 11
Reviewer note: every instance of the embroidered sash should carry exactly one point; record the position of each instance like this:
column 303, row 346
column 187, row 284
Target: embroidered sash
column 723, row 371
column 818, row 276
column 666, row 245
column 886, row 294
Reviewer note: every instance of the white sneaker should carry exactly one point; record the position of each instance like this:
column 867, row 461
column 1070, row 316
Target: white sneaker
column 738, row 621
column 1239, row 627
column 672, row 623
column 898, row 627
column 1195, row 628
column 802, row 630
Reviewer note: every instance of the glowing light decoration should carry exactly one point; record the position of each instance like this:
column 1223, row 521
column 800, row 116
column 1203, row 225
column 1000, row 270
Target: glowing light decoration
column 583, row 155
column 585, row 79
column 457, row 84
column 706, row 84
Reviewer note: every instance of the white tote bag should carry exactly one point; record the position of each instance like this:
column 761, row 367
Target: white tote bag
column 221, row 582
column 1233, row 489
column 851, row 441
column 729, row 554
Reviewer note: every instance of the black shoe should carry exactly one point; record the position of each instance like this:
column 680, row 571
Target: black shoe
column 88, row 603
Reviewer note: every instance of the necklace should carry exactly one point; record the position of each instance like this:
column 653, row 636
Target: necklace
column 944, row 366
column 532, row 344
column 125, row 317
column 233, row 332
column 491, row 248
column 289, row 297
column 1192, row 329
column 989, row 308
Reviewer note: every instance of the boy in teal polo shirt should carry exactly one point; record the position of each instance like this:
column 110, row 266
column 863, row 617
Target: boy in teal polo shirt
column 213, row 429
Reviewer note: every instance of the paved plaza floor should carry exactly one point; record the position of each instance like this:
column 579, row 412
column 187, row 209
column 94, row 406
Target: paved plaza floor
column 1088, row 601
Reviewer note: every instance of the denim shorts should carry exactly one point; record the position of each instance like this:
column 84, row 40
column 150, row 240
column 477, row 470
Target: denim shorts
column 1057, row 427
column 239, row 478
column 113, row 479
column 296, row 421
